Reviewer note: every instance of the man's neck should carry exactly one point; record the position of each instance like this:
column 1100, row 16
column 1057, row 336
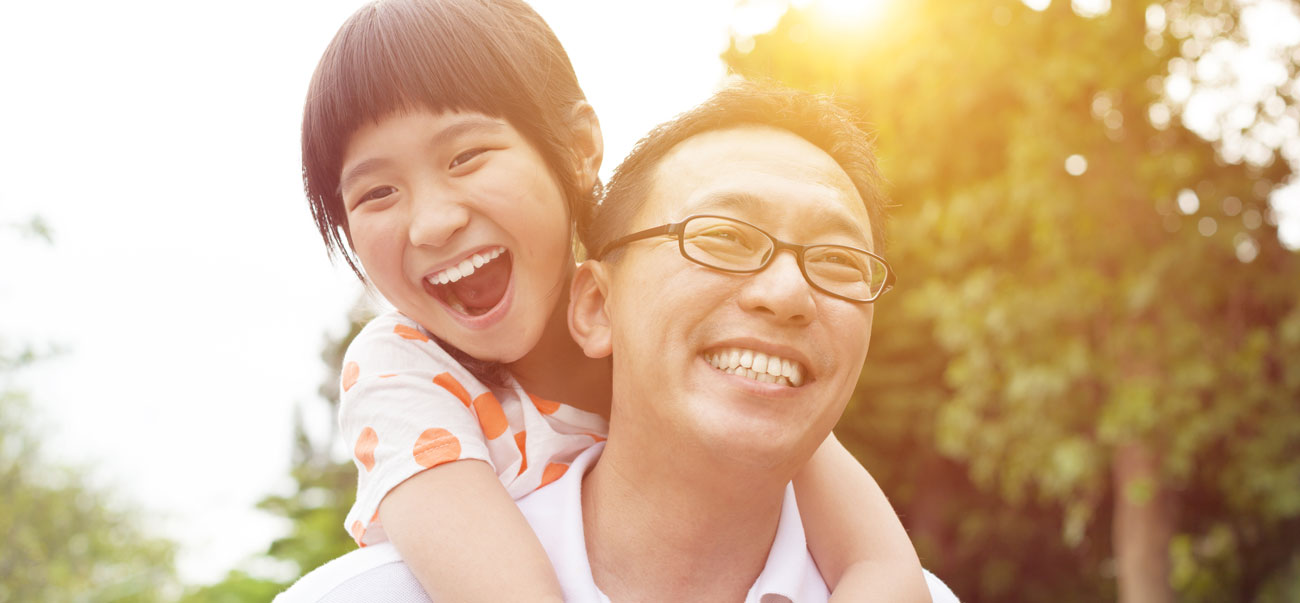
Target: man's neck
column 658, row 529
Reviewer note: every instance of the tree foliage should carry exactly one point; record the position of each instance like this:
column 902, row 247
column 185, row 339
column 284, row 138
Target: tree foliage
column 1081, row 275
column 65, row 540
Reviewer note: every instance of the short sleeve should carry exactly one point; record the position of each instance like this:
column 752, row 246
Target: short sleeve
column 406, row 406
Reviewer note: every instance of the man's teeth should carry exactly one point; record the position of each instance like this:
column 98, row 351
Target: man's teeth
column 466, row 267
column 757, row 366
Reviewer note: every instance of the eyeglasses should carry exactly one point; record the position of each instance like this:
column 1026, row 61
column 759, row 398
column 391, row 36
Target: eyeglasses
column 730, row 245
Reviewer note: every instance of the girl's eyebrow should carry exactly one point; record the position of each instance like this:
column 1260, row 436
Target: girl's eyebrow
column 465, row 125
column 361, row 169
column 457, row 129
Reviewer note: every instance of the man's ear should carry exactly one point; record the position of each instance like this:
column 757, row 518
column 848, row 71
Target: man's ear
column 589, row 322
column 587, row 143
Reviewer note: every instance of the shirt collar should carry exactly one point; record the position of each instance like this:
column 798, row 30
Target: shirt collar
column 788, row 575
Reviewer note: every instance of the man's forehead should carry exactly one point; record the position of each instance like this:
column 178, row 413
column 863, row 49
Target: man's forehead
column 760, row 173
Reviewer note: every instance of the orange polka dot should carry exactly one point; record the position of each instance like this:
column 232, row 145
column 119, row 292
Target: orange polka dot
column 357, row 533
column 490, row 416
column 519, row 441
column 436, row 446
column 553, row 472
column 546, row 407
column 365, row 448
column 388, row 376
column 450, row 384
column 350, row 373
column 596, row 437
column 406, row 332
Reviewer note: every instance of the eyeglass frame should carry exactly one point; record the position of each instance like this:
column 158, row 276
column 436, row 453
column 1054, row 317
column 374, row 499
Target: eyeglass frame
column 678, row 230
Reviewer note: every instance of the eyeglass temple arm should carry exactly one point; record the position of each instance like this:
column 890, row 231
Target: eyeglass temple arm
column 666, row 229
column 889, row 281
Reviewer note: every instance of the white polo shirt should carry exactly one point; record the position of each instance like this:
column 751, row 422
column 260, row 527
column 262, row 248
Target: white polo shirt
column 555, row 513
column 376, row 573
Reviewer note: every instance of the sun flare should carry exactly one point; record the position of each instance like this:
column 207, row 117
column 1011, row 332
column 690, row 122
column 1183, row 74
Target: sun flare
column 851, row 12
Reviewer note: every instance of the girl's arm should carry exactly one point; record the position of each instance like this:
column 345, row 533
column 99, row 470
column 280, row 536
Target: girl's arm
column 411, row 414
column 854, row 535
column 464, row 539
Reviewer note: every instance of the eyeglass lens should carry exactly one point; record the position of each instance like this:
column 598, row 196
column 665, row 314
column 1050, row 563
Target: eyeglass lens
column 731, row 245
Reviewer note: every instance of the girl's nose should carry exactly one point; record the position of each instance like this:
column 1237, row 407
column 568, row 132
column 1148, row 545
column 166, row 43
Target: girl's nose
column 434, row 222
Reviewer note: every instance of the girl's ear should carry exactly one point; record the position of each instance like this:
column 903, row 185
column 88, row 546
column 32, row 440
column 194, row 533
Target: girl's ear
column 587, row 143
column 588, row 320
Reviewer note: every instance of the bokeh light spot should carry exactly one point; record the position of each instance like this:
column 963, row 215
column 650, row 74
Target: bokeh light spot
column 1231, row 206
column 1188, row 202
column 1156, row 18
column 1246, row 247
column 1090, row 8
column 1207, row 226
column 1159, row 115
column 1076, row 165
column 1113, row 119
column 1252, row 219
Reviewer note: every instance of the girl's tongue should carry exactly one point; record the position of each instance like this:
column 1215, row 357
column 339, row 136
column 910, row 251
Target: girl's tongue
column 479, row 292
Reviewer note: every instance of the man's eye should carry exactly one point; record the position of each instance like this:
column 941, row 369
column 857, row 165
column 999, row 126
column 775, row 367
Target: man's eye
column 723, row 233
column 466, row 156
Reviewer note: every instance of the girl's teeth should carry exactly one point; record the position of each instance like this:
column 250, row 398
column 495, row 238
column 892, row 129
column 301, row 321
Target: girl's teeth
column 746, row 359
column 466, row 267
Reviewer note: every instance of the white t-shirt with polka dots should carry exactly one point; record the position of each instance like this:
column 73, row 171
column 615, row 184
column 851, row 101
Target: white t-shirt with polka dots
column 406, row 406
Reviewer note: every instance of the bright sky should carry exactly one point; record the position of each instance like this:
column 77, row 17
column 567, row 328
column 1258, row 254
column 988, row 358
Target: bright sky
column 159, row 139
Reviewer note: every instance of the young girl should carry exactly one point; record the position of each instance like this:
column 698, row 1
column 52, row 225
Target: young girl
column 447, row 148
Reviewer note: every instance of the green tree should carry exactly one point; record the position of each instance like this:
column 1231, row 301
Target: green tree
column 1088, row 369
column 65, row 540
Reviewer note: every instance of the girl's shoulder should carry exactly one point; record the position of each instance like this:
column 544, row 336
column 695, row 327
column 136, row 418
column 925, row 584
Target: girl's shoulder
column 392, row 337
column 393, row 322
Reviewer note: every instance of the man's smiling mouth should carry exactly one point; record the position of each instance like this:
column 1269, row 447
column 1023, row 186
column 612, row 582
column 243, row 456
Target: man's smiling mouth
column 758, row 366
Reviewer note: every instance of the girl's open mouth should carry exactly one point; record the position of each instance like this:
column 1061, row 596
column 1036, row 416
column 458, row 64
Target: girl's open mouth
column 474, row 286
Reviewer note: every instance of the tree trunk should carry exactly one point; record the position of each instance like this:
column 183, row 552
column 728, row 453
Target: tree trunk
column 1142, row 527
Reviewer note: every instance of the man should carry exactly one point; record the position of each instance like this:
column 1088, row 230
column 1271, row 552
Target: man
column 735, row 266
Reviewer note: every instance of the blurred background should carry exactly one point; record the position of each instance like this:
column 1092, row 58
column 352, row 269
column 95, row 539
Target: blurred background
column 1086, row 386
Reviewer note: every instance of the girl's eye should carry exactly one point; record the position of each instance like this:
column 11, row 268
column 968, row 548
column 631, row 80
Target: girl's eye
column 375, row 193
column 466, row 156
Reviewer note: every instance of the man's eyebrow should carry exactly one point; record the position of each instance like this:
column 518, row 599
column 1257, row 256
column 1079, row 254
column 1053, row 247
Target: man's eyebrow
column 747, row 204
column 460, row 128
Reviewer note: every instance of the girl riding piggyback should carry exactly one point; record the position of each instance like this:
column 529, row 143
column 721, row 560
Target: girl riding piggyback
column 447, row 150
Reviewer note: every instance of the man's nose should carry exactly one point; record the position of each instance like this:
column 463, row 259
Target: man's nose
column 779, row 291
column 435, row 217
